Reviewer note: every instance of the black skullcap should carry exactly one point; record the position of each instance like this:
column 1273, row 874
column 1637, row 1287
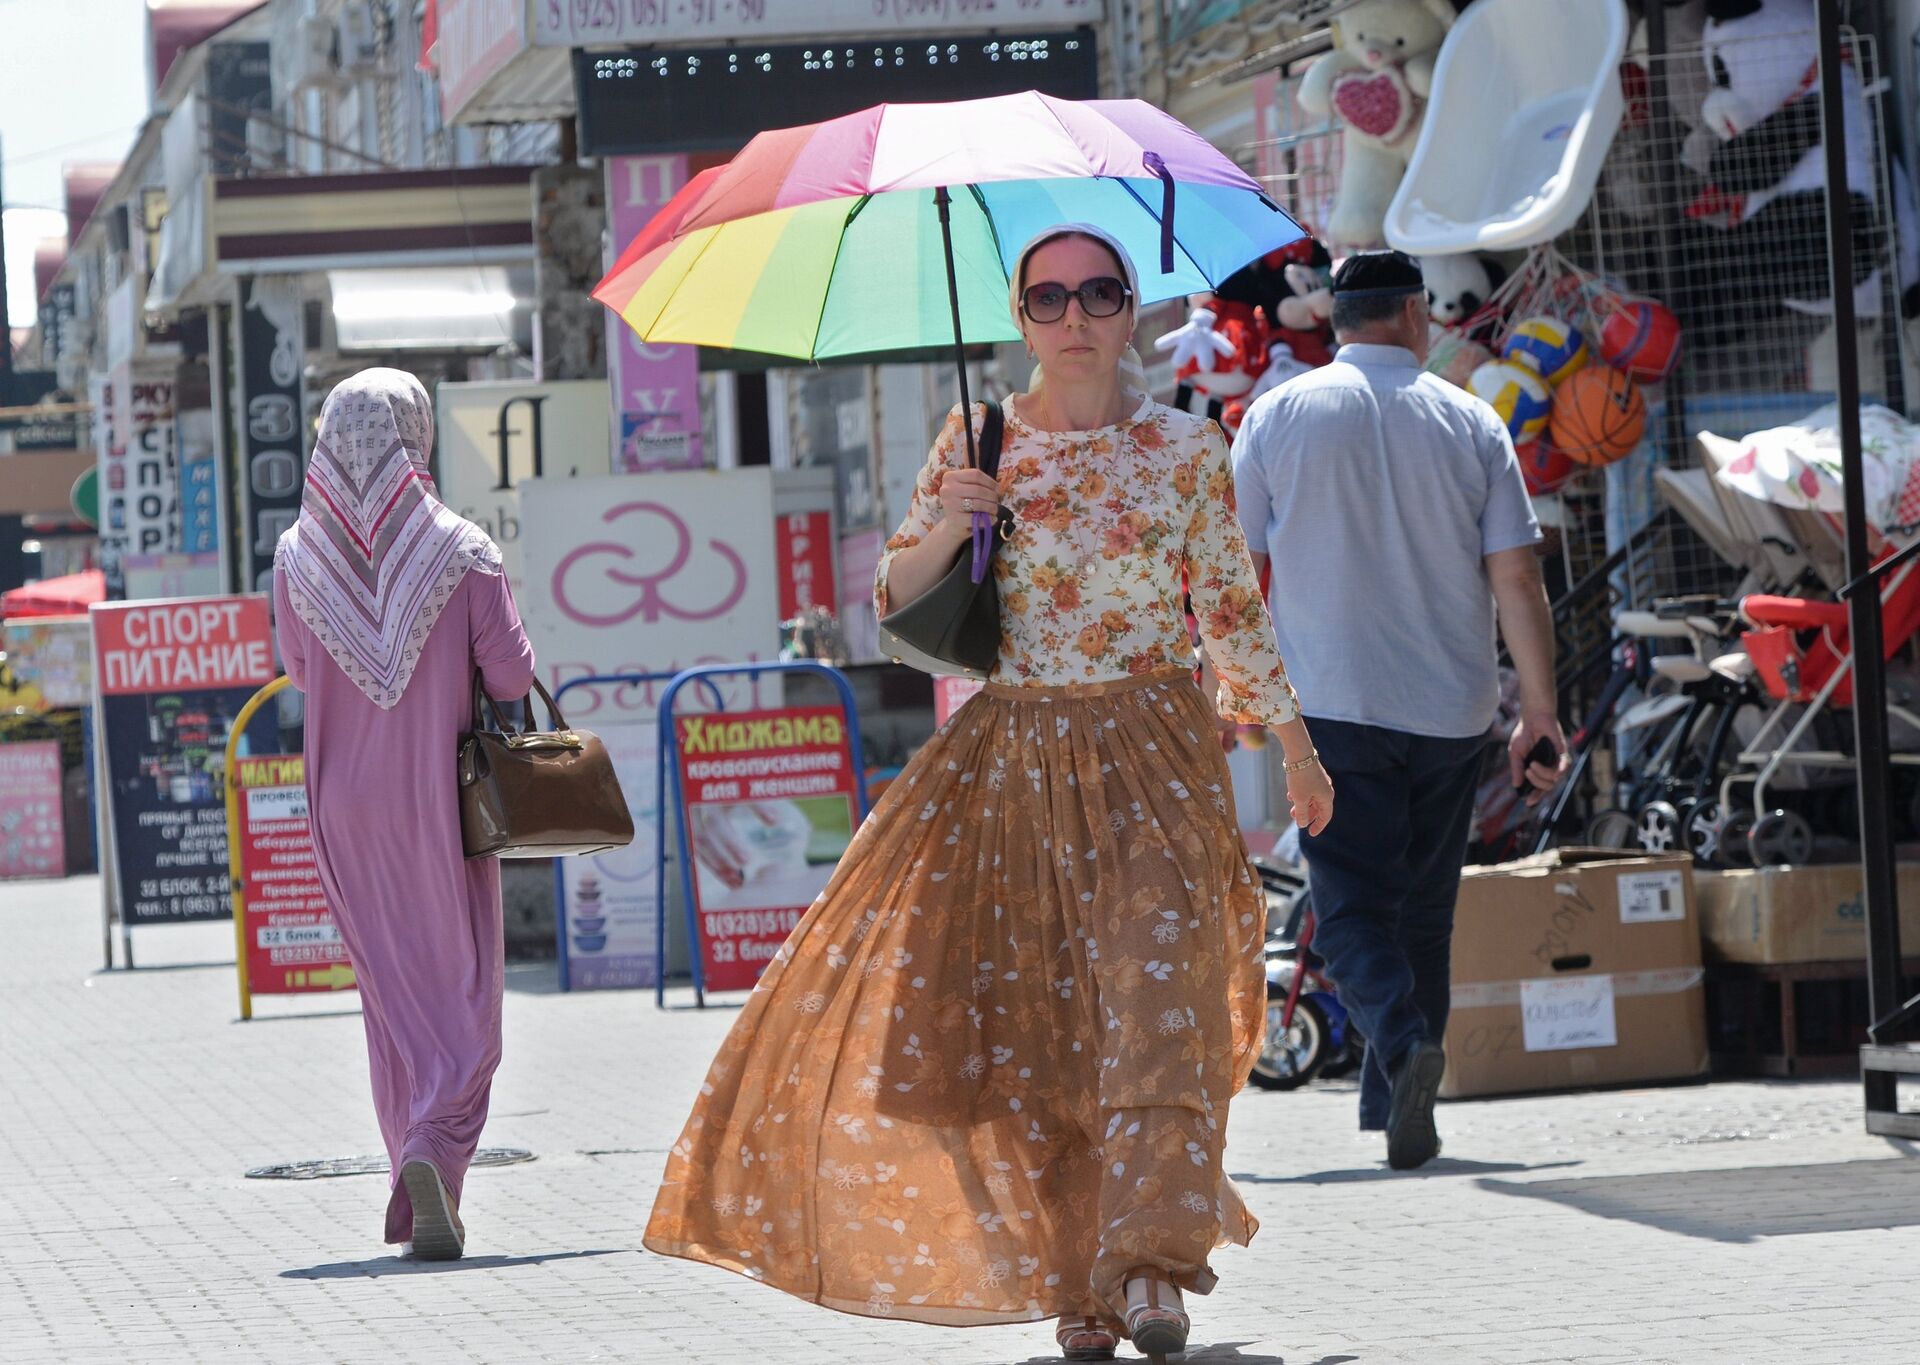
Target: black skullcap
column 1378, row 273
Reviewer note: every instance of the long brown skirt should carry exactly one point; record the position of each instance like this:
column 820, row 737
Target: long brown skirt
column 988, row 1073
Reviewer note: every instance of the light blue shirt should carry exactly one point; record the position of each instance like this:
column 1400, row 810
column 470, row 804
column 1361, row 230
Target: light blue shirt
column 1377, row 491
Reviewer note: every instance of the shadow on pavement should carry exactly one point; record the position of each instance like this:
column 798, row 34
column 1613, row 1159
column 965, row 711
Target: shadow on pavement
column 149, row 970
column 1438, row 1166
column 1225, row 1353
column 380, row 1266
column 1747, row 1203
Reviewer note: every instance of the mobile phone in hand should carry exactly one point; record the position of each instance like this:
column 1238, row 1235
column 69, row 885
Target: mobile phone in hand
column 1542, row 752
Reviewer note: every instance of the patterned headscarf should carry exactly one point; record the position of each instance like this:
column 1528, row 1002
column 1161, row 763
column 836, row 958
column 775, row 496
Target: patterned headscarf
column 376, row 555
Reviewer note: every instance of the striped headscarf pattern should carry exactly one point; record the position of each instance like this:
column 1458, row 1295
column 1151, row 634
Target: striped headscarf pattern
column 375, row 555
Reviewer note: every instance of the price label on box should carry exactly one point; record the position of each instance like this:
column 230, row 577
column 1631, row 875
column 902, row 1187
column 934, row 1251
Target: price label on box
column 1650, row 897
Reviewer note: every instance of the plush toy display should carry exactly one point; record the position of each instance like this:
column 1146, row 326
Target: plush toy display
column 1376, row 81
column 1767, row 177
column 1304, row 319
column 1458, row 286
column 1549, row 347
column 1599, row 416
column 1517, row 394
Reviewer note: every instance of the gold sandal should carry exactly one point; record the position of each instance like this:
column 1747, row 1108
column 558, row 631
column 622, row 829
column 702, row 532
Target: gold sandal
column 1155, row 1329
column 1086, row 1338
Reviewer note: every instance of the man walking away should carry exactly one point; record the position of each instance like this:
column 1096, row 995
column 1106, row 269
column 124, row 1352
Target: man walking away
column 1391, row 508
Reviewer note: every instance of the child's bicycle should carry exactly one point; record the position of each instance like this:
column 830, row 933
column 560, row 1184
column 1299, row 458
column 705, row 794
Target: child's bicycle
column 1309, row 1033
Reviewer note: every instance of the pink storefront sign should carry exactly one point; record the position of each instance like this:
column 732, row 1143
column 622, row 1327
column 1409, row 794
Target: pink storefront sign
column 656, row 389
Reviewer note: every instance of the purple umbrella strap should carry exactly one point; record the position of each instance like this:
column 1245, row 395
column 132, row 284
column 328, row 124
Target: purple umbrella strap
column 982, row 544
column 1155, row 163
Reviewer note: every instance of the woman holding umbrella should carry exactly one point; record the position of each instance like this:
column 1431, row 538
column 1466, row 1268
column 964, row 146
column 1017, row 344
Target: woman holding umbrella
column 986, row 1078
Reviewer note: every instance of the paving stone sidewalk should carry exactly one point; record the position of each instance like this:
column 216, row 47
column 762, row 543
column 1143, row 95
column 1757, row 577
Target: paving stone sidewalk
column 1750, row 1222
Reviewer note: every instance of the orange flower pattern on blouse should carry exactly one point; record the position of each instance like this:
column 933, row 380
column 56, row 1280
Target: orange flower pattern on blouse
column 1105, row 524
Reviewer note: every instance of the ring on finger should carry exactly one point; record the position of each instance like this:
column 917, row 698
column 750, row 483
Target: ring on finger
column 967, row 504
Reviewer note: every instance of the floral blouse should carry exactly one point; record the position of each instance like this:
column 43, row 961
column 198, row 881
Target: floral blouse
column 1107, row 523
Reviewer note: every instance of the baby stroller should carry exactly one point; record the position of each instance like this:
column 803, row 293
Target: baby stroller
column 1309, row 1032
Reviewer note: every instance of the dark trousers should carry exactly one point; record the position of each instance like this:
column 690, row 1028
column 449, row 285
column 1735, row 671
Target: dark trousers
column 1385, row 875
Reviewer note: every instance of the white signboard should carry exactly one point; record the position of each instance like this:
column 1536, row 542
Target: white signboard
column 488, row 437
column 1650, row 897
column 1561, row 1013
column 584, row 23
column 649, row 574
column 611, row 914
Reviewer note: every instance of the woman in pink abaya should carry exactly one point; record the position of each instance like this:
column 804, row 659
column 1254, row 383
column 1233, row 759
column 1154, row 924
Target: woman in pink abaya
column 386, row 603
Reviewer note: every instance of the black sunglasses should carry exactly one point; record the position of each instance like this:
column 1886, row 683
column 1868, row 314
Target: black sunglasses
column 1100, row 297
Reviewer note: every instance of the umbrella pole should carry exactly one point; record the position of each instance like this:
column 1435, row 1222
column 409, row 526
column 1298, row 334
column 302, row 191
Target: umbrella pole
column 941, row 201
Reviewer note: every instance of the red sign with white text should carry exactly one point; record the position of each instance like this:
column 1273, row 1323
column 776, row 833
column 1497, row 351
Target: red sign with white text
column 806, row 549
column 185, row 645
column 768, row 806
column 292, row 943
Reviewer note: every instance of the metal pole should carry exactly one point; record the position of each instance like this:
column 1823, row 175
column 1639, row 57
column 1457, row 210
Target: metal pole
column 6, row 317
column 1869, row 657
column 1666, row 150
column 942, row 201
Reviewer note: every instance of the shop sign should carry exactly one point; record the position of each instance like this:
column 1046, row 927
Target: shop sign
column 172, row 676
column 767, row 800
column 51, row 655
column 650, row 575
column 586, row 23
column 32, row 829
column 111, row 460
column 611, row 910
column 270, row 353
column 950, row 694
column 153, row 483
column 656, row 388
column 491, row 437
column 289, row 936
column 806, row 549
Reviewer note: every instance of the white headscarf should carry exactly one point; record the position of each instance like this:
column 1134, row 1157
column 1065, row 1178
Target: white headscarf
column 1133, row 373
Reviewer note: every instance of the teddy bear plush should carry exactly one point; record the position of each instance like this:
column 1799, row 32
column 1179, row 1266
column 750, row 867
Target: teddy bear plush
column 1376, row 81
column 1459, row 285
column 1766, row 177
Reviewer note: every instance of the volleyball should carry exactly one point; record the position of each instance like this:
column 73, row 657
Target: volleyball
column 1598, row 416
column 1546, row 468
column 1517, row 394
column 1549, row 347
column 1641, row 339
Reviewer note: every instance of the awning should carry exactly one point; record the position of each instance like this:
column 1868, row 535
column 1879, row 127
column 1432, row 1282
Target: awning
column 67, row 596
column 399, row 219
column 490, row 72
column 445, row 309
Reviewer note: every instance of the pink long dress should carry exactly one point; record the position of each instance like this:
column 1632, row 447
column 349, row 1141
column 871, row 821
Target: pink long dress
column 421, row 922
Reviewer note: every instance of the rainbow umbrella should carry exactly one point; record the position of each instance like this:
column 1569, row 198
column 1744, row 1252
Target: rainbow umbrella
column 894, row 228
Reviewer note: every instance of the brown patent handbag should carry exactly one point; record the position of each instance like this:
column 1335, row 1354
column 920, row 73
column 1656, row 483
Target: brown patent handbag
column 536, row 793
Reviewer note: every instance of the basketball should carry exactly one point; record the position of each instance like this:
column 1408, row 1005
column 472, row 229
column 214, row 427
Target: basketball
column 1517, row 394
column 1598, row 416
column 1641, row 339
column 1546, row 468
column 1549, row 347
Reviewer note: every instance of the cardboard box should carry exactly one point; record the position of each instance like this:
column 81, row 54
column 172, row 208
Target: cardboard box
column 1577, row 967
column 1777, row 915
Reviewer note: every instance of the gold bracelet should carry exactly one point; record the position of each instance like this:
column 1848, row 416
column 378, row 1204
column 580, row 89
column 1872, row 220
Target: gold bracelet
column 1303, row 764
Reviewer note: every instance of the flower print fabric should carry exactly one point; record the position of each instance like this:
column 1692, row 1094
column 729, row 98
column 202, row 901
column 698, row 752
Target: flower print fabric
column 1106, row 523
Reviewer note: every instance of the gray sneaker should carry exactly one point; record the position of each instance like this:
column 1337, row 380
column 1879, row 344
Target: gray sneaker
column 1412, row 1140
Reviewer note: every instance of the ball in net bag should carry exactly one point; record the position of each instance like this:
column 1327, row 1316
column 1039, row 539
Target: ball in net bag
column 1551, row 348
column 1598, row 416
column 1517, row 394
column 1641, row 338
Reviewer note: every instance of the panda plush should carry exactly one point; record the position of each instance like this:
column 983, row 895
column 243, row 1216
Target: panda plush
column 1766, row 177
column 1459, row 285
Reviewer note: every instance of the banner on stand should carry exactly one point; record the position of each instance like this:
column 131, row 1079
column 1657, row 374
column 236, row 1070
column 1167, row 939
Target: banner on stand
column 53, row 656
column 768, row 802
column 290, row 939
column 610, row 907
column 32, row 827
column 171, row 677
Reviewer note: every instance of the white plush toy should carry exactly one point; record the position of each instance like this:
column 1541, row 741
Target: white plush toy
column 1376, row 80
column 1196, row 347
column 1458, row 286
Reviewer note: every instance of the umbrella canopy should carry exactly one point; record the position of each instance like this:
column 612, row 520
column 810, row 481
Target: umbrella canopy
column 66, row 596
column 827, row 240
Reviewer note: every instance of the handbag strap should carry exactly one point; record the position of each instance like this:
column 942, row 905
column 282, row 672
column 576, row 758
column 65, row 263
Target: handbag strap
column 483, row 705
column 992, row 433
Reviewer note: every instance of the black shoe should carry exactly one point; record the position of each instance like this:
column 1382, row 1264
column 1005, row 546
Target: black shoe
column 1411, row 1138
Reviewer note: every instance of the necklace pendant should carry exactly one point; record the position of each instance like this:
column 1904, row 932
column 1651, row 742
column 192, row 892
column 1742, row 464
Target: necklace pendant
column 1087, row 565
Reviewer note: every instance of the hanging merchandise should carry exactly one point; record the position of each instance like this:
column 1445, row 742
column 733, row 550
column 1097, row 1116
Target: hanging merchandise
column 1599, row 416
column 1376, row 82
column 1517, row 394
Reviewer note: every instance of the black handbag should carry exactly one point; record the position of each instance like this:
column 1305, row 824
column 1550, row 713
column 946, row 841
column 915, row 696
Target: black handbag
column 531, row 793
column 954, row 626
